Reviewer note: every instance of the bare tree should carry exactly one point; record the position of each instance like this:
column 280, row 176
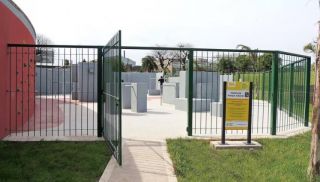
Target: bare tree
column 165, row 58
column 182, row 55
column 44, row 54
column 314, row 163
column 43, row 40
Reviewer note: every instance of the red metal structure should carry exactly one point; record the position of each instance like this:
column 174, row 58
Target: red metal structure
column 15, row 27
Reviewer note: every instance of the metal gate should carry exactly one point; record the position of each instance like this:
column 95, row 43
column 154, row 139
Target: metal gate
column 111, row 95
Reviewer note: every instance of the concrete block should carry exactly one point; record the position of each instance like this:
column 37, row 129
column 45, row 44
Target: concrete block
column 139, row 97
column 154, row 92
column 74, row 92
column 87, row 82
column 170, row 93
column 223, row 78
column 207, row 91
column 52, row 81
column 199, row 105
column 236, row 145
column 217, row 109
column 126, row 95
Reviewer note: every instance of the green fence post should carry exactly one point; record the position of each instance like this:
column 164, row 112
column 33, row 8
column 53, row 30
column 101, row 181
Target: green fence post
column 307, row 91
column 190, row 92
column 100, row 91
column 291, row 89
column 274, row 92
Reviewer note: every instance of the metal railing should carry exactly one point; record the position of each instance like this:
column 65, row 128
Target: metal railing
column 52, row 90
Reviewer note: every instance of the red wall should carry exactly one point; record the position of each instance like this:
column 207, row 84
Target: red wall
column 17, row 97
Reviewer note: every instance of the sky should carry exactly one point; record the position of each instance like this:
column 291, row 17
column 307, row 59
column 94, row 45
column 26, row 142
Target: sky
column 285, row 25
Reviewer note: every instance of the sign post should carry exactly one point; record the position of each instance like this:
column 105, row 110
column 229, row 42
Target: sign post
column 237, row 108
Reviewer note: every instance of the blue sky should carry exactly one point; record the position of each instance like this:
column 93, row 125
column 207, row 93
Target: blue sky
column 264, row 24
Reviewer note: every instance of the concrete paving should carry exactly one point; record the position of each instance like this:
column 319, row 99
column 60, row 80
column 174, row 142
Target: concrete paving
column 145, row 156
column 161, row 121
column 142, row 161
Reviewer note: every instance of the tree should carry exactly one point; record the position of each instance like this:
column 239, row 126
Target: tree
column 253, row 55
column 243, row 63
column 43, row 40
column 225, row 65
column 165, row 58
column 43, row 52
column 161, row 56
column 264, row 62
column 149, row 64
column 310, row 48
column 314, row 163
column 182, row 55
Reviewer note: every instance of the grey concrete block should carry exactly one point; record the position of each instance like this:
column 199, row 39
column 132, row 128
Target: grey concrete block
column 87, row 81
column 199, row 105
column 154, row 92
column 207, row 91
column 170, row 92
column 223, row 78
column 74, row 92
column 54, row 80
column 139, row 97
column 216, row 109
column 126, row 95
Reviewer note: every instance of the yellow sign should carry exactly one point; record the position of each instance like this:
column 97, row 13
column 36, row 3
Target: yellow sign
column 237, row 105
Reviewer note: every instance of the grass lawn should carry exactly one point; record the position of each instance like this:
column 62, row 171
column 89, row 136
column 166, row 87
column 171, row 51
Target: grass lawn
column 279, row 160
column 52, row 161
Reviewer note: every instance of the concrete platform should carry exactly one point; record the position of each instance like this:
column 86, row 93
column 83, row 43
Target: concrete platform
column 236, row 145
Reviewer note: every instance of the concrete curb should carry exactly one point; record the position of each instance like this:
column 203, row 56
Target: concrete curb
column 108, row 170
column 52, row 138
column 169, row 168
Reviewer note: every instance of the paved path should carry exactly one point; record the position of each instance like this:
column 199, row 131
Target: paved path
column 145, row 156
column 142, row 161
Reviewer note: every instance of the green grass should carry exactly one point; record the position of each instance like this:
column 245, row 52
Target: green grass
column 279, row 160
column 52, row 161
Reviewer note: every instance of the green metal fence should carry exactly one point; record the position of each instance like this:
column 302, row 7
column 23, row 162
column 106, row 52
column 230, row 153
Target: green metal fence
column 293, row 84
column 281, row 88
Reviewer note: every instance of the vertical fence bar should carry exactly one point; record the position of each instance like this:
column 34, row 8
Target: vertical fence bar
column 99, row 90
column 190, row 92
column 274, row 92
column 307, row 91
column 263, row 85
column 291, row 89
column 281, row 89
column 119, row 102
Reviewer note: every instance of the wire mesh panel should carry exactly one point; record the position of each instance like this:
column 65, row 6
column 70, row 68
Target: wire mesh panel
column 52, row 90
column 294, row 78
column 112, row 95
